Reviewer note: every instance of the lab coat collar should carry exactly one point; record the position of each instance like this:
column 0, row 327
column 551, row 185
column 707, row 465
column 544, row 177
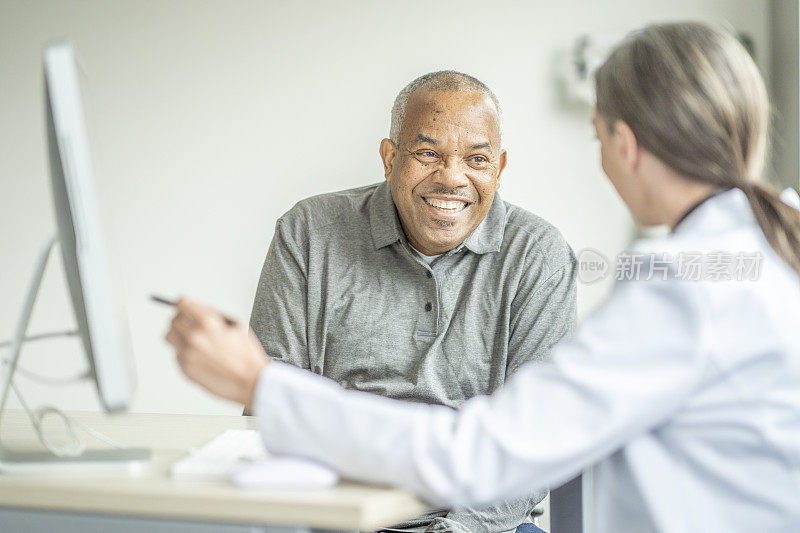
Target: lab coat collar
column 720, row 211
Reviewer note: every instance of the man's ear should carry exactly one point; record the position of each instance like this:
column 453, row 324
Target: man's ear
column 626, row 144
column 388, row 150
column 501, row 165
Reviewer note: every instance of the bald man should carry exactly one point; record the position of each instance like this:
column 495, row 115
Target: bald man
column 427, row 286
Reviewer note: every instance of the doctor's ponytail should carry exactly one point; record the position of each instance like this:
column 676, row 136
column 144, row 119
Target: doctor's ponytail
column 695, row 99
column 779, row 222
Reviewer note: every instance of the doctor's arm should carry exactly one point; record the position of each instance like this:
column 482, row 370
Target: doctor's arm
column 628, row 368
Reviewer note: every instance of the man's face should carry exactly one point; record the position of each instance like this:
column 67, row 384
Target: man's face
column 446, row 169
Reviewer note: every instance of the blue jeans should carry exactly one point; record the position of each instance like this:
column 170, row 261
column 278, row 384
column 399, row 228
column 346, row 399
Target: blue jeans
column 529, row 528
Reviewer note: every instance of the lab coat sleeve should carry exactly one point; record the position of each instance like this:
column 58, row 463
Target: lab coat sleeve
column 628, row 367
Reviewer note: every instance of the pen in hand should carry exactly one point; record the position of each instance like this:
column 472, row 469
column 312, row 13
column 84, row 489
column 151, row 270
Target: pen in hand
column 165, row 301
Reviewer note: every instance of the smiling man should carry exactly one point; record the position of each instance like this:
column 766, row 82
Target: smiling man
column 443, row 164
column 427, row 286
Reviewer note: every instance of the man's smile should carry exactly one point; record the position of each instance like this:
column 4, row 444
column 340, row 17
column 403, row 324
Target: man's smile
column 445, row 206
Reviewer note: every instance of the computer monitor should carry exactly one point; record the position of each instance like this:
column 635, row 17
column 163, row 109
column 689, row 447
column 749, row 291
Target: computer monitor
column 102, row 326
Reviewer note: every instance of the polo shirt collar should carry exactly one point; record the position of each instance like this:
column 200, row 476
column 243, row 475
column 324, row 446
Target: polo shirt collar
column 488, row 236
column 386, row 228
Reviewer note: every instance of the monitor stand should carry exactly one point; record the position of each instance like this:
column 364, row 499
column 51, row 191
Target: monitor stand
column 131, row 460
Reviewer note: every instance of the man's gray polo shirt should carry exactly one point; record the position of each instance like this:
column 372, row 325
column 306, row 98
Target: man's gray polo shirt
column 342, row 293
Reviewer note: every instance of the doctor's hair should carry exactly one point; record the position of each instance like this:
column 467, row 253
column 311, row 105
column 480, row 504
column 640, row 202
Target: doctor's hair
column 694, row 98
column 442, row 80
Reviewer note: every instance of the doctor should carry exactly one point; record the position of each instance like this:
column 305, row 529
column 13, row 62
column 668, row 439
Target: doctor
column 682, row 391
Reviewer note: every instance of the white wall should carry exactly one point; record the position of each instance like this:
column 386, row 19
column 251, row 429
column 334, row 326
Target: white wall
column 210, row 119
column 784, row 66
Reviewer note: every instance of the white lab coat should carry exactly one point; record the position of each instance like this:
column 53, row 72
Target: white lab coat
column 683, row 396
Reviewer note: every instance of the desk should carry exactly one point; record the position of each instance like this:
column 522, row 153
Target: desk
column 154, row 502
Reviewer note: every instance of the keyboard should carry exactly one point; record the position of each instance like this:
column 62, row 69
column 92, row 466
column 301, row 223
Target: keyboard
column 219, row 458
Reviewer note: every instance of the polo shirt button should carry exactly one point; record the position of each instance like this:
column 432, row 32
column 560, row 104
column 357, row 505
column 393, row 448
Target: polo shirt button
column 428, row 306
column 429, row 274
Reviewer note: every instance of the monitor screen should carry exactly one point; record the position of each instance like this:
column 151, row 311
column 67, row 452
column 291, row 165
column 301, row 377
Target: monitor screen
column 101, row 322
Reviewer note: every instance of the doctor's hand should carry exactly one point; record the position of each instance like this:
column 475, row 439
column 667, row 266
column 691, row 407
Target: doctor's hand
column 224, row 358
